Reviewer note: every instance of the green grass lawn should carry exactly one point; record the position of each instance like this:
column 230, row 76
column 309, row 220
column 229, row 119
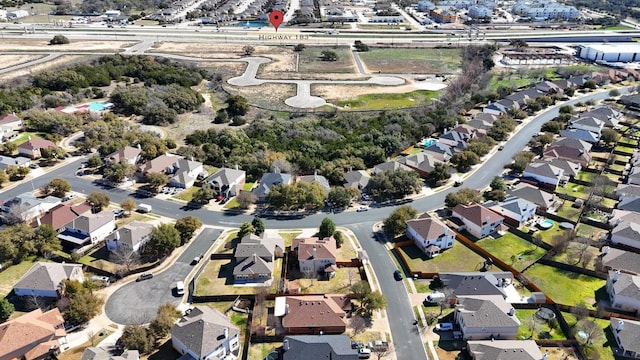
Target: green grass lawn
column 617, row 27
column 547, row 235
column 24, row 136
column 248, row 186
column 511, row 83
column 288, row 236
column 396, row 60
column 600, row 346
column 512, row 249
column 567, row 211
column 13, row 273
column 565, row 287
column 540, row 330
column 187, row 194
column 628, row 142
column 458, row 258
column 624, row 149
column 571, row 256
column 616, row 167
column 387, row 101
column 588, row 231
column 578, row 191
column 340, row 284
column 586, row 176
column 310, row 61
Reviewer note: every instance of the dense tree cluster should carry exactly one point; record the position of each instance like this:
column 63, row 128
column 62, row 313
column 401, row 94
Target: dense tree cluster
column 300, row 195
column 80, row 303
column 163, row 240
column 396, row 223
column 20, row 241
column 54, row 122
column 390, row 185
column 463, row 196
column 137, row 337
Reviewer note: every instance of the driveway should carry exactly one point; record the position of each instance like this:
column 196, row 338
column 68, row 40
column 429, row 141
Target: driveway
column 138, row 302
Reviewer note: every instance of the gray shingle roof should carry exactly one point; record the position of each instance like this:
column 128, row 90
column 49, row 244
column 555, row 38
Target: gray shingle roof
column 356, row 179
column 253, row 264
column 269, row 180
column 533, row 194
column 319, row 347
column 202, row 330
column 485, row 311
column 504, row 350
column 627, row 285
column 96, row 353
column 390, row 166
column 132, row 233
column 625, row 261
column 629, row 337
column 46, row 276
column 475, row 283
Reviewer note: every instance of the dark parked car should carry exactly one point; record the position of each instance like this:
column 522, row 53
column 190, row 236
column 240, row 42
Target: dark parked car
column 457, row 183
column 145, row 276
column 397, row 275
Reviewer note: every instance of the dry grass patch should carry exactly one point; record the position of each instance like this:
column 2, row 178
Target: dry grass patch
column 210, row 50
column 266, row 95
column 260, row 351
column 340, row 284
column 11, row 60
column 60, row 62
column 74, row 45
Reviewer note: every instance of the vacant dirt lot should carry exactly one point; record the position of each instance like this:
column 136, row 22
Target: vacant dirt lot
column 270, row 96
column 75, row 45
column 11, row 60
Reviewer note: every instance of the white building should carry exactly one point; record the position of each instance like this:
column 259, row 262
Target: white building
column 624, row 291
column 430, row 235
column 621, row 52
column 16, row 14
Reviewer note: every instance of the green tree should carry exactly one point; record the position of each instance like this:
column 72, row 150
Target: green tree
column 118, row 172
column 57, row 187
column 327, row 228
column 497, row 183
column 521, row 160
column 46, row 241
column 6, row 309
column 166, row 316
column 163, row 240
column 328, row 55
column 566, row 109
column 248, row 50
column 59, row 40
column 518, row 43
column 569, row 92
column 360, row 46
column 614, row 93
column 128, row 205
column 463, row 161
column 156, row 180
column 136, row 337
column 374, row 301
column 83, row 306
column 496, row 195
column 203, row 195
column 501, row 129
column 237, row 105
column 340, row 197
column 396, row 223
column 388, row 185
column 462, row 196
column 258, row 226
column 53, row 153
column 98, row 201
column 339, row 238
column 245, row 229
column 187, row 226
column 9, row 148
column 299, row 48
column 360, row 290
column 609, row 136
column 439, row 175
column 95, row 162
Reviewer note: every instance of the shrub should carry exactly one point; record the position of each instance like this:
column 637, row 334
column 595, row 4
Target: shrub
column 58, row 40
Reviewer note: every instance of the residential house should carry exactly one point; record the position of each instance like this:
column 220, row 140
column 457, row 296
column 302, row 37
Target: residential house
column 482, row 121
column 502, row 106
column 607, row 115
column 615, row 259
column 578, row 81
column 315, row 314
column 316, row 347
column 516, row 211
column 254, row 258
column 430, row 235
column 129, row 155
column 477, row 283
column 356, row 179
column 545, row 174
column 315, row 255
column 548, row 87
column 268, row 181
column 541, row 198
column 457, row 141
column 44, row 279
column 11, row 121
column 6, row 134
column 478, row 220
column 626, row 229
column 422, row 162
column 390, row 166
column 467, row 132
column 571, row 169
column 504, row 350
column 485, row 317
column 316, row 179
column 227, row 182
column 624, row 291
column 524, row 97
column 36, row 335
column 131, row 236
column 629, row 197
column 88, row 228
column 159, row 165
column 32, row 148
column 588, row 123
column 97, row 353
column 440, row 151
column 185, row 172
column 581, row 134
column 564, row 84
column 577, row 155
column 634, row 176
column 19, row 161
column 60, row 215
column 204, row 334
column 26, row 206
column 627, row 336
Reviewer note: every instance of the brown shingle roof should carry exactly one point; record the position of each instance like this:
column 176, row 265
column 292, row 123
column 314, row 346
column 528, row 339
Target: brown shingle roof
column 22, row 335
column 36, row 143
column 429, row 227
column 477, row 214
column 125, row 153
column 8, row 118
column 315, row 311
column 63, row 214
column 325, row 248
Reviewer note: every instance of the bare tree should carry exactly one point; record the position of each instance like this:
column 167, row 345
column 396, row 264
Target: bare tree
column 580, row 311
column 91, row 336
column 17, row 214
column 589, row 332
column 258, row 308
column 382, row 351
column 532, row 323
column 125, row 256
column 587, row 258
column 446, row 302
column 578, row 252
column 33, row 302
column 358, row 324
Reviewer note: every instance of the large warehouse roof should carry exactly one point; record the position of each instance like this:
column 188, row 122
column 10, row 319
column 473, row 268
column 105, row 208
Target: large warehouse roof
column 615, row 48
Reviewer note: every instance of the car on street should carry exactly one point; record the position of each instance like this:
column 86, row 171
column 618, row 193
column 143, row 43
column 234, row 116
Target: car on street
column 457, row 183
column 364, row 353
column 362, row 208
column 397, row 275
column 197, row 259
column 145, row 276
column 501, row 147
column 447, row 326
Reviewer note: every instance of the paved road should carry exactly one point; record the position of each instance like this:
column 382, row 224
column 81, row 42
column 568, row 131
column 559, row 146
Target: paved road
column 138, row 302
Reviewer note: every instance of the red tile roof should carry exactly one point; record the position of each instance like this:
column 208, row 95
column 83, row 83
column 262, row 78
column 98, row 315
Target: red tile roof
column 63, row 214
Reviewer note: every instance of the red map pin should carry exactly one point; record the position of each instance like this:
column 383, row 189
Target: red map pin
column 276, row 18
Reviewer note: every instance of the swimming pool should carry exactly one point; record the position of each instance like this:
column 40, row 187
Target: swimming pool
column 546, row 224
column 100, row 106
column 428, row 142
column 250, row 24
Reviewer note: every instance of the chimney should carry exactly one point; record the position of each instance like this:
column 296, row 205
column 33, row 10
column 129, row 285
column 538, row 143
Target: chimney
column 236, row 167
column 139, row 147
column 605, row 250
column 546, row 355
column 38, row 221
column 500, row 282
column 285, row 345
column 620, row 325
column 616, row 275
column 314, row 252
column 226, row 333
column 511, row 312
column 255, row 258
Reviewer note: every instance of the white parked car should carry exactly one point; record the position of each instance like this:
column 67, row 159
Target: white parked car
column 362, row 208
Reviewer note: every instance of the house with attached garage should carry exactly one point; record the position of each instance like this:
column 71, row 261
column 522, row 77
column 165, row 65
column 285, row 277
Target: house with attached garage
column 44, row 279
column 18, row 161
column 32, row 148
column 627, row 336
column 183, row 173
column 97, row 353
column 390, row 166
column 315, row 255
column 504, row 350
column 27, row 206
column 422, row 162
column 314, row 314
column 624, row 291
column 61, row 215
column 476, row 283
column 204, row 334
column 254, row 258
column 545, row 174
column 626, row 228
column 11, row 121
column 33, row 336
column 516, row 211
column 159, row 165
column 356, row 179
column 544, row 200
column 88, row 228
column 268, row 181
column 615, row 259
column 430, row 235
column 316, row 179
column 131, row 237
column 128, row 154
column 227, row 182
column 485, row 317
column 334, row 347
column 478, row 220
column 629, row 197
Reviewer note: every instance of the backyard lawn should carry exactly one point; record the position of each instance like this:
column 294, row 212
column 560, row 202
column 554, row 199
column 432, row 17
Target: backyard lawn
column 590, row 232
column 217, row 278
column 565, row 287
column 288, row 236
column 567, row 211
column 411, row 61
column 261, row 350
column 540, row 330
column 512, row 249
column 600, row 345
column 575, row 190
column 586, row 176
column 13, row 273
column 458, row 258
column 340, row 284
column 624, row 149
column 571, row 255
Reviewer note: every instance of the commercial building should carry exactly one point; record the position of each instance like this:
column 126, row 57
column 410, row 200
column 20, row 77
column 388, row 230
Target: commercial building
column 623, row 52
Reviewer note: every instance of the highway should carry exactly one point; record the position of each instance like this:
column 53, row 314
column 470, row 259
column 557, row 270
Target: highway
column 399, row 311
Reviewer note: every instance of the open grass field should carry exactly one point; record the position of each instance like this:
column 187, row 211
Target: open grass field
column 565, row 287
column 311, row 62
column 13, row 273
column 387, row 100
column 513, row 250
column 536, row 330
column 458, row 258
column 411, row 61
